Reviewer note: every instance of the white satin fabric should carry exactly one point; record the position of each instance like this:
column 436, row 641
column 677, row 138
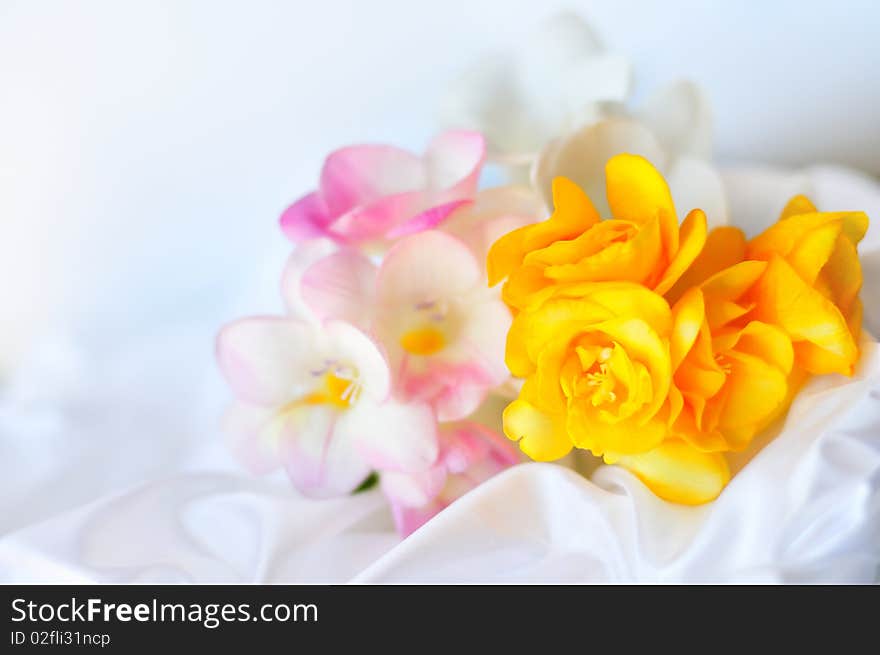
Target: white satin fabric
column 112, row 470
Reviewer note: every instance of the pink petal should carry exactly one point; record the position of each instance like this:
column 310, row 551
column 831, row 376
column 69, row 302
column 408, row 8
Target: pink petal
column 307, row 218
column 360, row 175
column 426, row 220
column 466, row 444
column 341, row 286
column 470, row 455
column 372, row 221
column 454, row 390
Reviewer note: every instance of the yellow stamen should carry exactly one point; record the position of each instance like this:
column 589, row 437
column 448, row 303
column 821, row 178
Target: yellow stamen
column 423, row 341
column 337, row 391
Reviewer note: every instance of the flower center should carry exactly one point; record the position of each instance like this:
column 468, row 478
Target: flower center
column 598, row 382
column 430, row 336
column 338, row 385
column 423, row 341
column 723, row 363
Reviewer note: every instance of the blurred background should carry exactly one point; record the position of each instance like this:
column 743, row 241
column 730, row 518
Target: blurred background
column 147, row 149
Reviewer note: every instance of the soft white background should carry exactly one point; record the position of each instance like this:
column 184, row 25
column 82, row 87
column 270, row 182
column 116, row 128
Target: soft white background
column 146, row 149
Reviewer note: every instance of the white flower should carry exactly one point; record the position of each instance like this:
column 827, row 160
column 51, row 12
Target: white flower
column 519, row 100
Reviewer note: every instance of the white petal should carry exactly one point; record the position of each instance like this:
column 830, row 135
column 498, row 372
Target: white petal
column 320, row 460
column 562, row 38
column 427, row 266
column 452, row 163
column 349, row 345
column 581, row 156
column 522, row 100
column 601, row 79
column 250, row 438
column 494, row 213
column 680, row 116
column 267, row 360
column 485, row 335
column 306, row 254
column 757, row 195
column 486, row 98
column 392, row 436
column 696, row 184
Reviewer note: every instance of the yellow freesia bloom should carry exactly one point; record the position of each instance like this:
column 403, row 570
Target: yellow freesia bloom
column 812, row 282
column 730, row 377
column 596, row 364
column 641, row 243
column 660, row 348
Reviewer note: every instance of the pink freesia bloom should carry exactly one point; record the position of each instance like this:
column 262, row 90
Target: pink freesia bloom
column 470, row 454
column 428, row 305
column 314, row 398
column 371, row 193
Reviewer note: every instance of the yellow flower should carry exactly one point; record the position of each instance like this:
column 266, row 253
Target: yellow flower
column 730, row 373
column 595, row 359
column 642, row 243
column 659, row 348
column 811, row 285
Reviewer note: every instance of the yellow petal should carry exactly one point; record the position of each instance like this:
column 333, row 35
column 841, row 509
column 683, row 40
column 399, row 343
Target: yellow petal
column 688, row 315
column 634, row 260
column 781, row 237
column 541, row 436
column 798, row 205
column 637, row 193
column 516, row 354
column 573, row 208
column 725, row 290
column 754, row 393
column 784, row 299
column 693, row 239
column 526, row 288
column 546, row 381
column 557, row 319
column 642, row 344
column 820, row 361
column 622, row 299
column 573, row 214
column 843, row 274
column 678, row 472
column 592, row 241
column 724, row 247
column 761, row 340
column 733, row 282
column 588, row 431
column 506, row 254
column 811, row 253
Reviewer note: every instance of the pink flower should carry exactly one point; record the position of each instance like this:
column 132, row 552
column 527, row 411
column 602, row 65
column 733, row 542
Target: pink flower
column 470, row 454
column 428, row 305
column 314, row 398
column 371, row 193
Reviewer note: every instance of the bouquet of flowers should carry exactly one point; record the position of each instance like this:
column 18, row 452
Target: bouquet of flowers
column 603, row 298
